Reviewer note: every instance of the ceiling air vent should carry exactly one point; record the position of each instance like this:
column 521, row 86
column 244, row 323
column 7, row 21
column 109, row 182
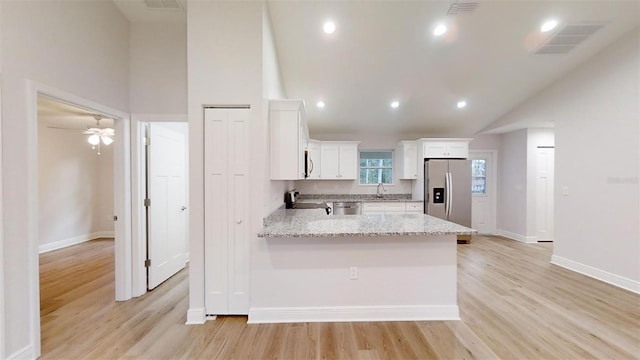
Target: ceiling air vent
column 568, row 38
column 163, row 4
column 460, row 7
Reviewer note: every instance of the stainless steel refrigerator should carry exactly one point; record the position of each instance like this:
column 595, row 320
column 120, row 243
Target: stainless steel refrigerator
column 447, row 190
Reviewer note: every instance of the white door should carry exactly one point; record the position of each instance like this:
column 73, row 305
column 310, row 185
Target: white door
column 167, row 209
column 226, row 211
column 483, row 192
column 544, row 193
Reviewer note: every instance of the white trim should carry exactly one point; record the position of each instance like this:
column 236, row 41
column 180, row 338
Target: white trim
column 517, row 237
column 60, row 244
column 353, row 313
column 590, row 271
column 26, row 353
column 2, row 269
column 122, row 193
column 196, row 316
column 138, row 219
column 160, row 117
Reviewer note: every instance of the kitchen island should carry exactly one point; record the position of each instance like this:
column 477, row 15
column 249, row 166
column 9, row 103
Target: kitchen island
column 314, row 267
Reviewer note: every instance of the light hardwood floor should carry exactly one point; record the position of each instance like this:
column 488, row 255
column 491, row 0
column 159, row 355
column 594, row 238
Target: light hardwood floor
column 514, row 304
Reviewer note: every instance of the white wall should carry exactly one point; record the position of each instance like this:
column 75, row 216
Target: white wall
column 77, row 47
column 485, row 142
column 596, row 114
column 75, row 195
column 512, row 185
column 273, row 88
column 158, row 68
column 225, row 66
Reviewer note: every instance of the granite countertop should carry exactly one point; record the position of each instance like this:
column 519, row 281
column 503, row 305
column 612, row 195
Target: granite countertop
column 356, row 197
column 316, row 223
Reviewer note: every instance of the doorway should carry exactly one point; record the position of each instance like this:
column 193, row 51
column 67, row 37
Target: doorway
column 121, row 190
column 166, row 136
column 483, row 191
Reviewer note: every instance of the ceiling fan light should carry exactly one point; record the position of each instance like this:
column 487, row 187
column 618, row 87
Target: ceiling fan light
column 93, row 139
column 106, row 140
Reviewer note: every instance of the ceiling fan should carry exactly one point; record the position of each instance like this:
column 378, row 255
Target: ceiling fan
column 97, row 135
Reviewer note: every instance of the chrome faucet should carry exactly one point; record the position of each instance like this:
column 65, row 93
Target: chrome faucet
column 378, row 193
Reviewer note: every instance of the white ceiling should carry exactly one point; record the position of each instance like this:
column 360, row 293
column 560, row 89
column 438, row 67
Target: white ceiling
column 58, row 114
column 384, row 50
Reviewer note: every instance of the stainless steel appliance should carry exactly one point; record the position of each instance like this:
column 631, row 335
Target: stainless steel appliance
column 347, row 208
column 447, row 190
column 290, row 202
column 308, row 164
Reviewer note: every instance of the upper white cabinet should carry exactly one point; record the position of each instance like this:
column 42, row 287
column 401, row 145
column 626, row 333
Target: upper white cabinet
column 440, row 148
column 288, row 136
column 313, row 149
column 339, row 160
column 406, row 158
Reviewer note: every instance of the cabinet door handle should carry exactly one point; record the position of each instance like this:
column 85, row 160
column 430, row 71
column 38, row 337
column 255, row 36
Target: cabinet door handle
column 239, row 221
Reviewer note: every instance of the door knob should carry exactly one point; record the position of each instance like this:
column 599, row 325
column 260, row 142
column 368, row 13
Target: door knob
column 183, row 208
column 239, row 221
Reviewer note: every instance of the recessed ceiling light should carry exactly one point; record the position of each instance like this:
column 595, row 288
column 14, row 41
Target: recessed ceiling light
column 395, row 104
column 549, row 25
column 329, row 27
column 461, row 104
column 320, row 104
column 439, row 29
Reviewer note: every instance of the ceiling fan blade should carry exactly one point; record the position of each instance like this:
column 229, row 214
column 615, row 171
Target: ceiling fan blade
column 69, row 130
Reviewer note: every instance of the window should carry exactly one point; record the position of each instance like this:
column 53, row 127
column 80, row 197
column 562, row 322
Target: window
column 376, row 167
column 479, row 176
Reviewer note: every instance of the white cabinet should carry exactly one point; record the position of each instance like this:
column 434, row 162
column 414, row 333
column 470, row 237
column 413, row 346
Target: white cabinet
column 288, row 136
column 415, row 207
column 383, row 207
column 445, row 148
column 313, row 149
column 406, row 159
column 339, row 160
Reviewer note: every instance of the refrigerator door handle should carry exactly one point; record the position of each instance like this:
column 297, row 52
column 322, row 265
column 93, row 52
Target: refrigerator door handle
column 450, row 194
column 447, row 189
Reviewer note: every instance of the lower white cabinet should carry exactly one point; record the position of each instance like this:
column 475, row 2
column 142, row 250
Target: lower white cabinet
column 415, row 207
column 339, row 160
column 391, row 207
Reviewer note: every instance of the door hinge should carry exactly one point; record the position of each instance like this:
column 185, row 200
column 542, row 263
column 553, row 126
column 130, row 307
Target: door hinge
column 147, row 263
column 147, row 141
column 115, row 217
column 147, row 202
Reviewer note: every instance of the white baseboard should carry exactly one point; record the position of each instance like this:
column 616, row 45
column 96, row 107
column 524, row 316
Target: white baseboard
column 517, row 237
column 26, row 353
column 609, row 278
column 74, row 241
column 353, row 313
column 195, row 316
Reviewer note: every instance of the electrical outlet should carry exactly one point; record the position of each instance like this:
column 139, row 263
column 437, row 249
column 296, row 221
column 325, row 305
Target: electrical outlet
column 353, row 273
